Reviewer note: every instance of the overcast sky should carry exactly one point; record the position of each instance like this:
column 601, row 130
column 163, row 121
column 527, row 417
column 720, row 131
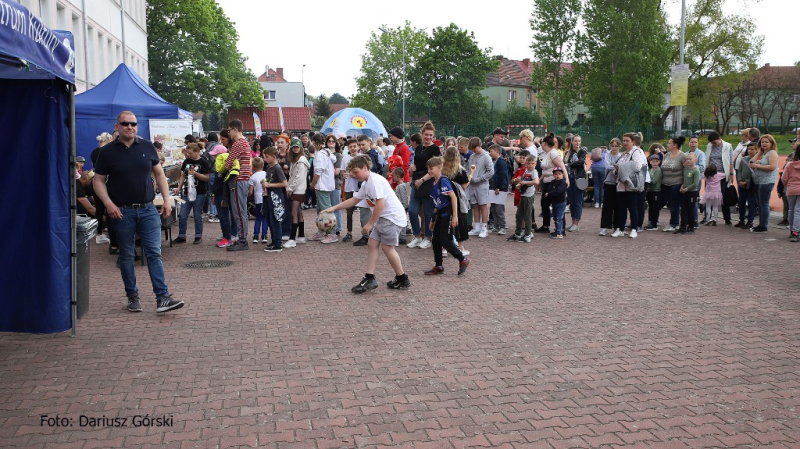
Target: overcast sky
column 330, row 37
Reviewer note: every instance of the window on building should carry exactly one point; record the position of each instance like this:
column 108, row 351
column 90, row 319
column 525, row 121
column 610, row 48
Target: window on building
column 529, row 95
column 512, row 95
column 61, row 17
column 269, row 95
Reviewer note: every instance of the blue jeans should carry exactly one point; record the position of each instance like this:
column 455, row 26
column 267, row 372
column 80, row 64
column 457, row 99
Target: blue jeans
column 673, row 194
column 598, row 177
column 146, row 223
column 260, row 227
column 575, row 200
column 183, row 219
column 763, row 192
column 747, row 204
column 558, row 216
column 336, row 198
column 413, row 212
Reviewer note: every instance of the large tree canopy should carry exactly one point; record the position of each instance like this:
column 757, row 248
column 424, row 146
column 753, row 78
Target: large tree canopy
column 193, row 59
column 625, row 56
column 552, row 47
column 450, row 74
column 380, row 85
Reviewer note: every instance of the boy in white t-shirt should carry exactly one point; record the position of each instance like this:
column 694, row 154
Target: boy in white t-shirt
column 387, row 223
column 258, row 195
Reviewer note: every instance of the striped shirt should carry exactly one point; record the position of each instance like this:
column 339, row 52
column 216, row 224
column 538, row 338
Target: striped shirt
column 240, row 150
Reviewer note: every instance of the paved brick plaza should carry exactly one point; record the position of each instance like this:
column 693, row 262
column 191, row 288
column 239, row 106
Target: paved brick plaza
column 662, row 341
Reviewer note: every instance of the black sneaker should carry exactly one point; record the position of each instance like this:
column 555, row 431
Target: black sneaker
column 166, row 304
column 133, row 304
column 179, row 240
column 348, row 237
column 542, row 230
column 759, row 229
column 680, row 231
column 113, row 250
column 240, row 245
column 402, row 240
column 462, row 267
column 273, row 249
column 553, row 235
column 739, row 225
column 365, row 285
column 397, row 284
column 514, row 238
column 197, row 240
column 363, row 241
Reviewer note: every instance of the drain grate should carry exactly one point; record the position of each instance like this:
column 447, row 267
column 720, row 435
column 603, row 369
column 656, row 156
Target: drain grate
column 209, row 264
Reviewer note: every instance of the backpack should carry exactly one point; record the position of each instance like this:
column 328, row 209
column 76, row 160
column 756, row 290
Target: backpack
column 377, row 167
column 463, row 202
column 638, row 177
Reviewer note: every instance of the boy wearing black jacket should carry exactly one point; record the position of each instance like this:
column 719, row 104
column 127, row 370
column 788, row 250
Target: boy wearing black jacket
column 557, row 193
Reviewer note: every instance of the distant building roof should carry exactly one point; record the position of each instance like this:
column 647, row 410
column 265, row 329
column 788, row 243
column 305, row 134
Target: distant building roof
column 515, row 73
column 273, row 76
column 295, row 119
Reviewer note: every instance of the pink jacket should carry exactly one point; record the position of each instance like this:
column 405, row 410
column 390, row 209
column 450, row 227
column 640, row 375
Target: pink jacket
column 791, row 178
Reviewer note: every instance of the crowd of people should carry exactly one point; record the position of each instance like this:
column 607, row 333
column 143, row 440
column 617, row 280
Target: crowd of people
column 439, row 193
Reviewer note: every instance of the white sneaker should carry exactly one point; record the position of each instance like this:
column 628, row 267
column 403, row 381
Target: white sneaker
column 603, row 231
column 235, row 238
column 290, row 244
column 301, row 239
column 474, row 231
column 573, row 228
column 669, row 229
column 465, row 252
column 101, row 239
column 483, row 234
column 414, row 243
column 502, row 231
column 264, row 240
column 633, row 233
column 528, row 238
column 255, row 239
column 444, row 252
column 425, row 244
column 318, row 236
column 596, row 205
column 617, row 233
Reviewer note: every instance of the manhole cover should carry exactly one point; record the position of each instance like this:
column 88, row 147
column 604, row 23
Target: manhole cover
column 209, row 264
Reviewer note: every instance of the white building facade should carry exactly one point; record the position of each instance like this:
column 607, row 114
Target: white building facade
column 107, row 33
column 279, row 91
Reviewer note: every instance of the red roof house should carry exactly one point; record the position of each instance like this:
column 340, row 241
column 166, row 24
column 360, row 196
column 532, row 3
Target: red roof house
column 295, row 119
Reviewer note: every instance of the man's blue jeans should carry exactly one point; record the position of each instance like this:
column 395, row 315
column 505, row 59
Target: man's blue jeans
column 146, row 223
column 183, row 219
column 413, row 213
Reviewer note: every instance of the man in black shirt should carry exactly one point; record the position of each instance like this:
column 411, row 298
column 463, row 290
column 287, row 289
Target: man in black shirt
column 127, row 164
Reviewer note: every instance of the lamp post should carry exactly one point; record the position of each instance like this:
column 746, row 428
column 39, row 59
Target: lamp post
column 683, row 34
column 403, row 85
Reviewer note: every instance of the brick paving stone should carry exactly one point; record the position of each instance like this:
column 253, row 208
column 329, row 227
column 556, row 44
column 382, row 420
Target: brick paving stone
column 584, row 342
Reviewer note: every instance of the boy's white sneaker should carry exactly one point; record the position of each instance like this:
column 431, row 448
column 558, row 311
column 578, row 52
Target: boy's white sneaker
column 483, row 234
column 669, row 229
column 414, row 243
column 474, row 231
column 528, row 238
column 425, row 244
column 290, row 244
column 465, row 252
column 603, row 231
column 301, row 239
column 573, row 228
column 617, row 233
column 633, row 233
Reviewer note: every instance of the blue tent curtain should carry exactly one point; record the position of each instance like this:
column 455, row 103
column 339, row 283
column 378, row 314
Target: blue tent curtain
column 35, row 272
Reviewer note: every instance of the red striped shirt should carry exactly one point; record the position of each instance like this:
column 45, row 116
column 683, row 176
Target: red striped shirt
column 240, row 150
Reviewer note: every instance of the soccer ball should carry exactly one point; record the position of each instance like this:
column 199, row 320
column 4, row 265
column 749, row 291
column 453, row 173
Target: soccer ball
column 326, row 222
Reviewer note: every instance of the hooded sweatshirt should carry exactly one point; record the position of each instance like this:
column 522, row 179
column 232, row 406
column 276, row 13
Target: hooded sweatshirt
column 791, row 178
column 298, row 177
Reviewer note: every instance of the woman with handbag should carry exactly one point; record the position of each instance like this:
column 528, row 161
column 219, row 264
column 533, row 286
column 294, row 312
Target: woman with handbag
column 421, row 184
column 575, row 158
column 609, row 199
column 765, row 175
column 629, row 166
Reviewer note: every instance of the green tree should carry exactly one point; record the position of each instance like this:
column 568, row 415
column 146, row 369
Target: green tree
column 193, row 59
column 380, row 85
column 323, row 106
column 625, row 50
column 553, row 46
column 516, row 114
column 716, row 44
column 338, row 98
column 450, row 74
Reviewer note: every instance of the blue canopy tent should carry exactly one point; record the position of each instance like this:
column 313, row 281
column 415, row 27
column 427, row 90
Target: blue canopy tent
column 96, row 110
column 37, row 92
column 354, row 122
